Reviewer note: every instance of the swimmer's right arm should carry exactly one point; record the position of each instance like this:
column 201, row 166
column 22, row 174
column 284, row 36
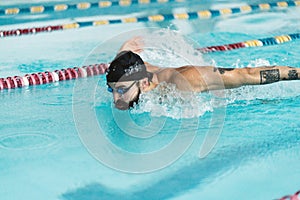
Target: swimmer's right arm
column 136, row 45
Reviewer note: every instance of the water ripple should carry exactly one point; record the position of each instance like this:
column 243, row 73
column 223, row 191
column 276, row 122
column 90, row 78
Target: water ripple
column 27, row 141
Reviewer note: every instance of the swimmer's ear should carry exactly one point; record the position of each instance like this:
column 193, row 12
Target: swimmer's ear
column 144, row 84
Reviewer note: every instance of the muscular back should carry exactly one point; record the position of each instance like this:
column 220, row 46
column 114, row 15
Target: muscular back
column 192, row 78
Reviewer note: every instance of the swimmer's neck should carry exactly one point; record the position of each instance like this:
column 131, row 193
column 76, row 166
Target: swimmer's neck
column 152, row 84
column 159, row 75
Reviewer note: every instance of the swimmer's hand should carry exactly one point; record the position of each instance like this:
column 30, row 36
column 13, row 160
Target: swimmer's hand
column 135, row 45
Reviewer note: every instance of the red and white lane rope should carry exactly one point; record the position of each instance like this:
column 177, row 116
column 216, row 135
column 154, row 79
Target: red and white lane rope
column 291, row 197
column 27, row 31
column 252, row 43
column 72, row 73
column 50, row 77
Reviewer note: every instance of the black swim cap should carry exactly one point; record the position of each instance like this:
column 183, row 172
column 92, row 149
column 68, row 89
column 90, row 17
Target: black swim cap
column 127, row 66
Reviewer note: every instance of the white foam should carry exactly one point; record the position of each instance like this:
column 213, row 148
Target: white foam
column 166, row 100
column 168, row 48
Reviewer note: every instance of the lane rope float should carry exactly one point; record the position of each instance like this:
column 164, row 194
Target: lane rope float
column 50, row 77
column 39, row 9
column 252, row 43
column 204, row 14
column 291, row 197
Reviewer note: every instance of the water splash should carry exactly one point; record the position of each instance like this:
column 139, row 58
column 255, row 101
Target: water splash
column 166, row 100
column 168, row 48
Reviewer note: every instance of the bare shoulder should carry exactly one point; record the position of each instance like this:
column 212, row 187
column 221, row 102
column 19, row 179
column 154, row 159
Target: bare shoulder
column 190, row 70
column 152, row 68
column 190, row 78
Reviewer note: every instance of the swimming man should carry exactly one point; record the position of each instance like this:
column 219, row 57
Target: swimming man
column 128, row 76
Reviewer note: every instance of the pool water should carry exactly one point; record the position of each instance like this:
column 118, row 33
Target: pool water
column 45, row 152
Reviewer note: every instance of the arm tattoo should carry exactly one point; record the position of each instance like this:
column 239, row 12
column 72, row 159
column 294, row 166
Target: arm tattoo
column 269, row 76
column 223, row 70
column 293, row 75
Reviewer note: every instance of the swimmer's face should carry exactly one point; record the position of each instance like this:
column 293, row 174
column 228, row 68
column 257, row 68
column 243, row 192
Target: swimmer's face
column 125, row 93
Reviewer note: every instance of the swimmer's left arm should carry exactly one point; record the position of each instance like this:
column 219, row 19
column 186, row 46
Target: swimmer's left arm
column 236, row 77
column 205, row 78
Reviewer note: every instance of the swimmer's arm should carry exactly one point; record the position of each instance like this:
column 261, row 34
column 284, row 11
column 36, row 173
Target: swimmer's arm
column 135, row 45
column 236, row 77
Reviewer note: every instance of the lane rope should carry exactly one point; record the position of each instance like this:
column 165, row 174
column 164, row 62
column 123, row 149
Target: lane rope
column 291, row 197
column 204, row 14
column 79, row 72
column 125, row 3
column 252, row 43
column 50, row 77
column 39, row 9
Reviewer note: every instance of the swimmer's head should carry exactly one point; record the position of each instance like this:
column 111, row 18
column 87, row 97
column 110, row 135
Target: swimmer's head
column 125, row 76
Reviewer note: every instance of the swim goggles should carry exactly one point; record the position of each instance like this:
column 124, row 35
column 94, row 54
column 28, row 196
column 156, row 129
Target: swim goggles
column 120, row 90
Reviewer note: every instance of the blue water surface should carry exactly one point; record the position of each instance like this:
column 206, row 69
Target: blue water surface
column 255, row 157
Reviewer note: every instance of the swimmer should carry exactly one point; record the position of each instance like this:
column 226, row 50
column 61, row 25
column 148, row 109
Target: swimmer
column 128, row 76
